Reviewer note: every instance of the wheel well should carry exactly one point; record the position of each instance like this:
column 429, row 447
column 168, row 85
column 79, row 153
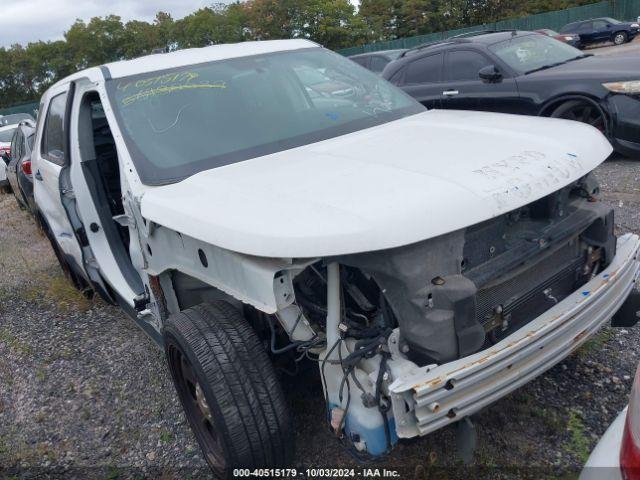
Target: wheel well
column 189, row 291
column 550, row 106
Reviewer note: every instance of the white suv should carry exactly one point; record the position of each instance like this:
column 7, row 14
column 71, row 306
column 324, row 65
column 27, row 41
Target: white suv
column 245, row 212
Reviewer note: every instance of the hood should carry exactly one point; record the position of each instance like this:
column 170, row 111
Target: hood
column 379, row 188
column 608, row 68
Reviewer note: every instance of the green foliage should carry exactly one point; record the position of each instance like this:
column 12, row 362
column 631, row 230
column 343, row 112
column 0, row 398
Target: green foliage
column 578, row 444
column 27, row 71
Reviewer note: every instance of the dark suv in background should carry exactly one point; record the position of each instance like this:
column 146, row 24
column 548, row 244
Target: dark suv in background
column 526, row 73
column 377, row 61
column 599, row 30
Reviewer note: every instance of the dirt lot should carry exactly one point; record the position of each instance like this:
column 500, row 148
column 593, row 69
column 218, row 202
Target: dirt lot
column 84, row 393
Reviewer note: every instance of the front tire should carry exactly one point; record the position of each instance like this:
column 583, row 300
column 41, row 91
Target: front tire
column 582, row 111
column 228, row 389
column 619, row 38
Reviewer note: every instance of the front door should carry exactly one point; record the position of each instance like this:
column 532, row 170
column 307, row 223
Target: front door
column 95, row 176
column 466, row 91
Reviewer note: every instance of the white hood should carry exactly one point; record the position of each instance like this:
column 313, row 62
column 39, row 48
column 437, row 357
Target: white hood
column 384, row 187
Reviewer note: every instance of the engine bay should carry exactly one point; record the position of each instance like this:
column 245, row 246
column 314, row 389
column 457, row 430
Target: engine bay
column 457, row 294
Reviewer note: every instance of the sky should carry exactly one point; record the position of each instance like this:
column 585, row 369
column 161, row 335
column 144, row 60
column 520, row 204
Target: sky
column 25, row 21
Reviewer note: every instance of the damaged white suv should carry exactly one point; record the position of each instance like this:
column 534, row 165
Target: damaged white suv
column 272, row 202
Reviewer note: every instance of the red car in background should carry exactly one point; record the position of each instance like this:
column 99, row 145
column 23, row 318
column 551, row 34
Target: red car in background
column 571, row 39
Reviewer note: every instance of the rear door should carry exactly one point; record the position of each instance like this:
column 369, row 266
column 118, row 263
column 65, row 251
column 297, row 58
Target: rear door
column 422, row 79
column 53, row 190
column 49, row 159
column 464, row 90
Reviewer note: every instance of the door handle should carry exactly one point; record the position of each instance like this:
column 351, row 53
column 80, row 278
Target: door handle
column 450, row 93
column 38, row 175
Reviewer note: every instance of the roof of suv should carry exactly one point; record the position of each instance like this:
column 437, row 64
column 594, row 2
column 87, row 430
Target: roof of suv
column 471, row 38
column 193, row 56
column 392, row 52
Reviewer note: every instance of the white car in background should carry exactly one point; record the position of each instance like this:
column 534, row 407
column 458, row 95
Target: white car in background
column 617, row 454
column 430, row 262
column 4, row 182
column 6, row 134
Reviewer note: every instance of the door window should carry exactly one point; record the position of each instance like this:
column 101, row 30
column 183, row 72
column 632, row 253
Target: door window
column 361, row 61
column 586, row 27
column 424, row 70
column 464, row 65
column 600, row 25
column 378, row 63
column 53, row 138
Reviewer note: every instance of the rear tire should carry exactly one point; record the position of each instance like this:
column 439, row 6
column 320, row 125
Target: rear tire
column 619, row 38
column 228, row 389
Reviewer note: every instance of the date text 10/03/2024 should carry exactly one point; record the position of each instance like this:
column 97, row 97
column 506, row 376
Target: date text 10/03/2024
column 316, row 473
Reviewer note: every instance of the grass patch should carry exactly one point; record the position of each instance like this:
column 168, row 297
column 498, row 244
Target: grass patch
column 113, row 473
column 578, row 443
column 165, row 436
column 14, row 343
column 59, row 290
column 40, row 417
column 595, row 343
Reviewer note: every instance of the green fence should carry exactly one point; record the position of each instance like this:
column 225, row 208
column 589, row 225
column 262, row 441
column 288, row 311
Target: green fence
column 621, row 9
column 31, row 107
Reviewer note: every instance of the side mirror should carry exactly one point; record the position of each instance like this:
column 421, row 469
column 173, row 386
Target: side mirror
column 490, row 74
column 5, row 157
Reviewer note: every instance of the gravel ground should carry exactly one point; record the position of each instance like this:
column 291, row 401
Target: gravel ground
column 631, row 48
column 84, row 393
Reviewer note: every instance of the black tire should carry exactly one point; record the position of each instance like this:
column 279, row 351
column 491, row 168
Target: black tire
column 620, row 38
column 582, row 111
column 244, row 422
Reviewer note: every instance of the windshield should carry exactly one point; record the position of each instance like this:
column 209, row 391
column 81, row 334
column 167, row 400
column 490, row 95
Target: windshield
column 182, row 121
column 612, row 21
column 7, row 135
column 534, row 52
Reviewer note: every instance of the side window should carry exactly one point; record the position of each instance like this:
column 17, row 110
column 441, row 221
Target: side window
column 378, row 63
column 599, row 25
column 464, row 65
column 585, row 27
column 424, row 70
column 361, row 61
column 53, row 137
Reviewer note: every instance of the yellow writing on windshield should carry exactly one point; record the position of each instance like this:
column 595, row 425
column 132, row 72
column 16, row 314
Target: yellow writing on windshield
column 166, row 90
column 180, row 78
